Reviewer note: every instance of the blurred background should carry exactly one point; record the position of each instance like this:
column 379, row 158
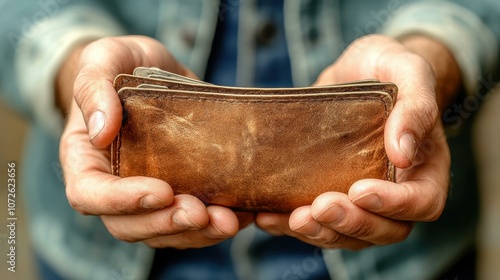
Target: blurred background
column 12, row 133
column 486, row 138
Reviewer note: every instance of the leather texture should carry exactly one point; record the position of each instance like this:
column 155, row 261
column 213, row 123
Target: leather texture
column 251, row 149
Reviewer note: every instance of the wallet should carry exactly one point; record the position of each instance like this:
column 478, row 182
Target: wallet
column 251, row 149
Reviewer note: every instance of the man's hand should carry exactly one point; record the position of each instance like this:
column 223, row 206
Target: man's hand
column 134, row 208
column 377, row 211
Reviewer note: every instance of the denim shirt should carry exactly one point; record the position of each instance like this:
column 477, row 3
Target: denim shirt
column 315, row 34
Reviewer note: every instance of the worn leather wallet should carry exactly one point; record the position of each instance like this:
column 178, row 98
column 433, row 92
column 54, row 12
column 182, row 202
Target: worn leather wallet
column 251, row 149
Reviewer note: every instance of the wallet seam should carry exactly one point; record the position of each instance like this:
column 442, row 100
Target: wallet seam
column 116, row 160
column 266, row 98
column 127, row 81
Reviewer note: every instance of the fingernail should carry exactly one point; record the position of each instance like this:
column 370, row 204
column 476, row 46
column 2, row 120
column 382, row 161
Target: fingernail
column 335, row 213
column 315, row 231
column 219, row 233
column 151, row 202
column 182, row 218
column 371, row 202
column 96, row 124
column 408, row 145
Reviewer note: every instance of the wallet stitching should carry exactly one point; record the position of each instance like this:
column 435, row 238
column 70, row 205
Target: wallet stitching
column 116, row 160
column 220, row 100
column 390, row 167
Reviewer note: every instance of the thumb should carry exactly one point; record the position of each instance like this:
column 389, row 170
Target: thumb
column 415, row 112
column 99, row 104
column 100, row 62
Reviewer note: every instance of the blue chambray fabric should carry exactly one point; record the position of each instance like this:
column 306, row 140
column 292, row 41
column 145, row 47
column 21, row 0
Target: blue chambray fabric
column 272, row 256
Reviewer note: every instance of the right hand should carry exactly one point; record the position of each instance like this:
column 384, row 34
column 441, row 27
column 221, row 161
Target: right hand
column 134, row 208
column 378, row 211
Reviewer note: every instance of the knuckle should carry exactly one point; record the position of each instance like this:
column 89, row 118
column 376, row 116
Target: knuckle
column 409, row 205
column 434, row 204
column 435, row 210
column 83, row 87
column 74, row 199
column 404, row 233
column 331, row 240
column 80, row 87
column 163, row 227
column 194, row 239
column 337, row 238
column 120, row 235
column 334, row 244
column 399, row 235
column 429, row 106
column 118, row 208
column 154, row 243
column 420, row 102
column 360, row 229
column 426, row 112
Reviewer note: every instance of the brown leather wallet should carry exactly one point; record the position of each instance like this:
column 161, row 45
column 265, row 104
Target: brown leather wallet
column 251, row 149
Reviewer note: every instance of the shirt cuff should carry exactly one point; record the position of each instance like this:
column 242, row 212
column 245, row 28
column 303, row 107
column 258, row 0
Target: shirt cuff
column 43, row 49
column 472, row 43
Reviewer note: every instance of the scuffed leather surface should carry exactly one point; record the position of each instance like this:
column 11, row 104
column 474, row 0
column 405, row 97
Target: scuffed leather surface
column 253, row 149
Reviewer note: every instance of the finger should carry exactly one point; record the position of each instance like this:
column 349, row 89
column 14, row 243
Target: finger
column 385, row 59
column 422, row 191
column 90, row 187
column 336, row 212
column 223, row 224
column 415, row 112
column 408, row 201
column 359, row 61
column 303, row 223
column 327, row 77
column 186, row 213
column 104, row 194
column 320, row 236
column 100, row 62
column 245, row 218
column 273, row 223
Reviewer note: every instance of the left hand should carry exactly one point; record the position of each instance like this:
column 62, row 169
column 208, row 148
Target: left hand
column 135, row 208
column 377, row 211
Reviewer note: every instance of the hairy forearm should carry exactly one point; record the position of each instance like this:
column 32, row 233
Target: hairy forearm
column 443, row 63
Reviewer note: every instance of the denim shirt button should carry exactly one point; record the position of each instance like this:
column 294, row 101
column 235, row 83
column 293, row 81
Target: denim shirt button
column 313, row 35
column 188, row 36
column 266, row 33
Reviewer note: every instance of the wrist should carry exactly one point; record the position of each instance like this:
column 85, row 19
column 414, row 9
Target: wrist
column 443, row 63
